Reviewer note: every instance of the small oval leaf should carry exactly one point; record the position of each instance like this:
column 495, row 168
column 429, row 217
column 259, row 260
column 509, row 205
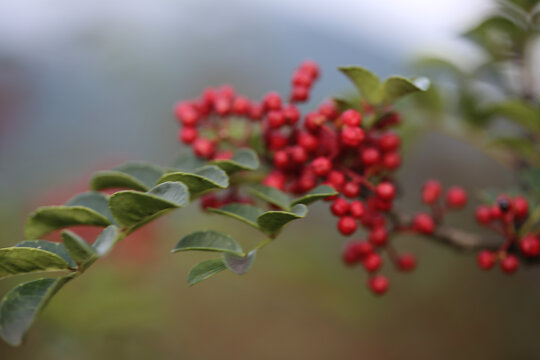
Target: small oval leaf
column 201, row 180
column 49, row 218
column 146, row 173
column 243, row 212
column 395, row 87
column 24, row 260
column 367, row 83
column 111, row 179
column 318, row 193
column 21, row 305
column 204, row 270
column 106, row 240
column 209, row 241
column 54, row 247
column 239, row 264
column 243, row 159
column 271, row 195
column 94, row 200
column 273, row 221
column 81, row 252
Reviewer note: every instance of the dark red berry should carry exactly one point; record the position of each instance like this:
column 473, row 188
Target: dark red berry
column 351, row 189
column 357, row 209
column 370, row 156
column 308, row 142
column 298, row 154
column 424, row 224
column 276, row 119
column 188, row 135
column 389, row 142
column 241, row 105
column 321, row 166
column 336, row 179
column 203, row 148
column 372, row 262
column 431, row 191
column 339, row 207
column 272, row 101
column 352, row 136
column 520, row 205
column 483, row 215
column 485, row 259
column 351, row 118
column 378, row 236
column 456, row 197
column 385, row 191
column 378, row 284
column 292, row 114
column 530, row 245
column 391, row 160
column 311, row 68
column 509, row 264
column 406, row 262
column 300, row 93
column 347, row 225
column 281, row 159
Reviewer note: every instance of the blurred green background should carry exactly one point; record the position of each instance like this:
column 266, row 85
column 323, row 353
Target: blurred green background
column 85, row 86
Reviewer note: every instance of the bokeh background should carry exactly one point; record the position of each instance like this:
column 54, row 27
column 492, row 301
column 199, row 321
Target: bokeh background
column 86, row 85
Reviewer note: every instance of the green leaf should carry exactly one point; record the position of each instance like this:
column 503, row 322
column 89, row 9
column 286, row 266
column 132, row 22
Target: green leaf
column 271, row 195
column 367, row 83
column 239, row 264
column 132, row 208
column 146, row 173
column 209, row 241
column 188, row 162
column 54, row 247
column 243, row 159
column 201, row 180
column 242, row 212
column 79, row 249
column 49, row 218
column 273, row 221
column 24, row 260
column 93, row 200
column 526, row 5
column 106, row 240
column 204, row 270
column 526, row 115
column 102, row 180
column 320, row 192
column 21, row 305
column 396, row 87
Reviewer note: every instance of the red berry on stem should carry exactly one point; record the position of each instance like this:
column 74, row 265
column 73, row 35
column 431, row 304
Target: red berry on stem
column 339, row 207
column 385, row 191
column 281, row 159
column 321, row 166
column 311, row 68
column 188, row 135
column 370, row 156
column 204, row 148
column 292, row 114
column 186, row 113
column 485, row 259
column 298, row 154
column 431, row 191
column 352, row 136
column 357, row 209
column 276, row 119
column 241, row 105
column 347, row 225
column 389, row 142
column 351, row 117
column 423, row 223
column 483, row 215
column 509, row 264
column 378, row 236
column 456, row 197
column 301, row 78
column 300, row 93
column 351, row 189
column 336, row 179
column 520, row 205
column 406, row 262
column 272, row 101
column 372, row 262
column 530, row 245
column 378, row 284
column 391, row 160
column 308, row 142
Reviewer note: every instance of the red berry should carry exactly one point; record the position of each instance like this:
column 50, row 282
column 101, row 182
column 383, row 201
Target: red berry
column 431, row 191
column 509, row 264
column 485, row 259
column 352, row 136
column 308, row 141
column 256, row 111
column 328, row 109
column 336, row 179
column 423, row 223
column 301, row 78
column 406, row 262
column 372, row 262
column 298, row 154
column 204, row 148
column 339, row 207
column 378, row 284
column 227, row 91
column 391, row 160
column 370, row 156
column 352, row 118
column 276, row 119
column 385, row 191
column 530, row 245
column 277, row 141
column 292, row 114
column 351, row 189
column 483, row 215
column 224, row 155
column 281, row 159
column 520, row 205
column 321, row 165
column 347, row 225
column 300, row 93
column 307, row 182
column 222, row 105
column 389, row 142
column 349, row 254
column 456, row 197
column 378, row 236
column 241, row 105
column 496, row 212
column 357, row 209
column 272, row 101
column 186, row 113
column 311, row 68
column 188, row 135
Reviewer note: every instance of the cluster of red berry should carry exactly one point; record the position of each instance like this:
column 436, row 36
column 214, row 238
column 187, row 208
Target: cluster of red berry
column 353, row 151
column 506, row 218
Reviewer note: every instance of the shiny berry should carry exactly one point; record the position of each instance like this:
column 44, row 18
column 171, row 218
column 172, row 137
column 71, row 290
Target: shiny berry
column 530, row 246
column 276, row 119
column 204, row 148
column 336, row 179
column 352, row 136
column 431, row 191
column 372, row 262
column 378, row 236
column 520, row 205
column 391, row 160
column 357, row 209
column 308, row 142
column 351, row 118
column 281, row 159
column 272, row 101
column 424, row 224
column 483, row 215
column 378, row 284
column 339, row 207
column 351, row 189
column 485, row 259
column 385, row 191
column 188, row 135
column 389, row 142
column 311, row 68
column 370, row 156
column 241, row 105
column 292, row 114
column 456, row 197
column 406, row 262
column 347, row 225
column 509, row 264
column 321, row 166
column 300, row 93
